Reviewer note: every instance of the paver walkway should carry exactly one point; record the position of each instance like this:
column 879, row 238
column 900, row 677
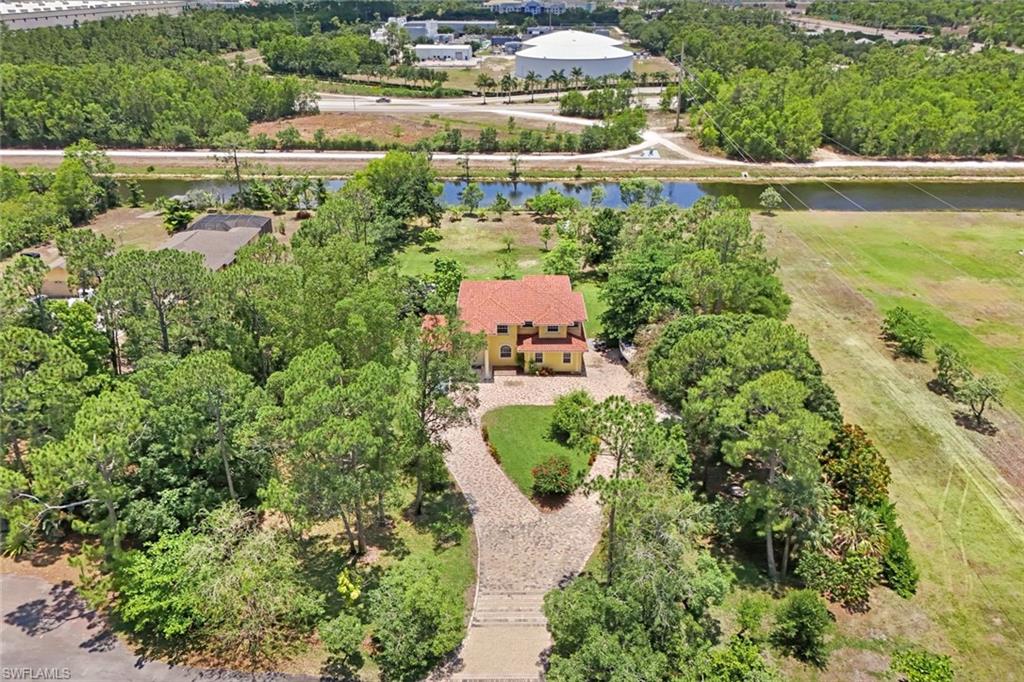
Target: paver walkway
column 523, row 552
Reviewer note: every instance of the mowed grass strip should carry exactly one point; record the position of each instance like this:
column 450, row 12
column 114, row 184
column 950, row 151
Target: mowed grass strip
column 521, row 435
column 962, row 271
column 957, row 511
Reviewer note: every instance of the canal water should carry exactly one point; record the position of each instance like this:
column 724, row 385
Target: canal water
column 813, row 195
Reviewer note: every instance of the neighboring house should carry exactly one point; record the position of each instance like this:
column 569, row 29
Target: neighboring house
column 217, row 238
column 534, row 323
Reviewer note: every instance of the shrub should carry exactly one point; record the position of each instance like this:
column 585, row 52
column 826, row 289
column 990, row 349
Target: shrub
column 908, row 331
column 801, row 627
column 417, row 619
column 554, row 476
column 898, row 569
column 951, row 369
column 750, row 613
column 567, row 421
column 342, row 636
column 738, row 660
column 917, row 665
column 856, row 469
column 845, row 577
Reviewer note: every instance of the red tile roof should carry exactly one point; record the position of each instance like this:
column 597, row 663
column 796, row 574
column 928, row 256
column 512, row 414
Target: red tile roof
column 431, row 321
column 533, row 343
column 541, row 299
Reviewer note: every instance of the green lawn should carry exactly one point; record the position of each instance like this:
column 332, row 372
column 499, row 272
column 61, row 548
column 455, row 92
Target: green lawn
column 595, row 307
column 961, row 515
column 961, row 271
column 478, row 244
column 521, row 434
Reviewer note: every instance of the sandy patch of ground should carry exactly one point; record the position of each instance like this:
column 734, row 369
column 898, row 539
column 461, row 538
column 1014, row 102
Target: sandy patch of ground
column 401, row 128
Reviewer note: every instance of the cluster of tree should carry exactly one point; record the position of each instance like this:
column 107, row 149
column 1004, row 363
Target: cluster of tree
column 697, row 293
column 649, row 616
column 323, row 54
column 174, row 103
column 999, row 21
column 705, row 260
column 618, row 87
column 36, row 205
column 174, row 406
column 599, row 103
column 910, row 333
column 141, row 38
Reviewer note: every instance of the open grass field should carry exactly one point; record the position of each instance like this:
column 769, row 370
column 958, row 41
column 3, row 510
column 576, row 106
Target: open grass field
column 521, row 434
column 955, row 489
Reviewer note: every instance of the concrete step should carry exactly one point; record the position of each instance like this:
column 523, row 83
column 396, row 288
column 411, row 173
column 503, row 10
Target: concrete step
column 510, row 621
column 494, row 678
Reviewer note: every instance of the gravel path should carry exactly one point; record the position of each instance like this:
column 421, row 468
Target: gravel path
column 523, row 552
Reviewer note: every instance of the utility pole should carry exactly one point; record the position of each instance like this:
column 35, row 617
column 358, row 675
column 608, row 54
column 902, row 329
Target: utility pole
column 679, row 91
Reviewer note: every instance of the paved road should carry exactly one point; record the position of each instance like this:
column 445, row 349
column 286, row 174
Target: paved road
column 650, row 139
column 47, row 629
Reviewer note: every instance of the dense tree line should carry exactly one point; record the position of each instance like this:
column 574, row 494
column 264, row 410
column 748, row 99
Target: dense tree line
column 170, row 411
column 759, row 89
column 140, row 38
column 894, row 102
column 332, row 55
column 1000, row 21
column 758, row 459
column 36, row 205
column 180, row 102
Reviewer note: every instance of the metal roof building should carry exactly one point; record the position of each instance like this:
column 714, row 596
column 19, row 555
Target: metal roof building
column 596, row 55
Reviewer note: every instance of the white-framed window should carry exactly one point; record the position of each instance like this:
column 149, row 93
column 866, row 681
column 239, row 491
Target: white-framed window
column 552, row 327
column 538, row 357
column 503, row 329
column 566, row 358
column 505, row 351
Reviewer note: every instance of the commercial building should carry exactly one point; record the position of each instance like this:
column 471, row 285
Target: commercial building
column 443, row 53
column 218, row 238
column 594, row 54
column 435, row 30
column 23, row 14
column 537, row 7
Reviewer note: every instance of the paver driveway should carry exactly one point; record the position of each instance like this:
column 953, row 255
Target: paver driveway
column 523, row 552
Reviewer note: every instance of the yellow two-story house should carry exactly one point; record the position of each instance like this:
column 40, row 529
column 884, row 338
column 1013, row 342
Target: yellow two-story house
column 532, row 323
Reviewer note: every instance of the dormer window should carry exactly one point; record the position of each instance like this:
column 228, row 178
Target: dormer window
column 503, row 329
column 528, row 324
column 552, row 327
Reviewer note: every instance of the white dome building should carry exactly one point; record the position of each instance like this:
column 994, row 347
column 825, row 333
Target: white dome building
column 565, row 50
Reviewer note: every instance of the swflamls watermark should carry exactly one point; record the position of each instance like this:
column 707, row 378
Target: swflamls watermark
column 27, row 673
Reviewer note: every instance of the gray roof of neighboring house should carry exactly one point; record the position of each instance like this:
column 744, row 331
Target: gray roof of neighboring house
column 225, row 222
column 217, row 246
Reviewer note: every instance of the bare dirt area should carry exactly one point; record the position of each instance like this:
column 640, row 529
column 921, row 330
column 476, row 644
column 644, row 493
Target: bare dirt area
column 401, row 128
column 956, row 491
column 144, row 227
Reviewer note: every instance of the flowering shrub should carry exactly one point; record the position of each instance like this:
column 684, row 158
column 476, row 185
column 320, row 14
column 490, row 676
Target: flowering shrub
column 554, row 476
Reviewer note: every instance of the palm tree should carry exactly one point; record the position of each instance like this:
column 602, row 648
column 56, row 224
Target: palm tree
column 577, row 76
column 532, row 80
column 508, row 83
column 559, row 80
column 485, row 83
